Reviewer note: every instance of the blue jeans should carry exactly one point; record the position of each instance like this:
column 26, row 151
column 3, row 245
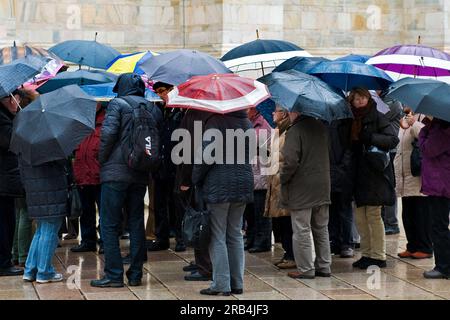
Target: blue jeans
column 227, row 246
column 114, row 197
column 45, row 241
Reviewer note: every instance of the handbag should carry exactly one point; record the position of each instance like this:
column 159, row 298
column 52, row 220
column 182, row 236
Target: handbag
column 378, row 159
column 195, row 226
column 416, row 159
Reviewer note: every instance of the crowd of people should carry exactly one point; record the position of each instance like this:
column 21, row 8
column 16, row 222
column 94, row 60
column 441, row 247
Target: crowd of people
column 335, row 188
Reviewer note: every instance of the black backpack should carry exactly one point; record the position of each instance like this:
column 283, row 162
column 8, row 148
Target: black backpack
column 141, row 145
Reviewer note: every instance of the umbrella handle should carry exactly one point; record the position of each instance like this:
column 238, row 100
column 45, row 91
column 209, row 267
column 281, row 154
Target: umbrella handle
column 15, row 100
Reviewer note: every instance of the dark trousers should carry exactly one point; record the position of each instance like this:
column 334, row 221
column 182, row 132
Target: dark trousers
column 89, row 196
column 7, row 228
column 440, row 210
column 115, row 196
column 416, row 217
column 203, row 261
column 340, row 223
column 389, row 213
column 286, row 236
column 167, row 204
column 259, row 228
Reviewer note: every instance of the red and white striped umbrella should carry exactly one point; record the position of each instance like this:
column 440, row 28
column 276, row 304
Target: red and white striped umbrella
column 218, row 93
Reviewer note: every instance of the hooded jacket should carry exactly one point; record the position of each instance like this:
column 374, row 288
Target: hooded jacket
column 115, row 127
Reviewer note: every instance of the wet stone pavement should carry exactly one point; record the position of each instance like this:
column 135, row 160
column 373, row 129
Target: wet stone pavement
column 163, row 279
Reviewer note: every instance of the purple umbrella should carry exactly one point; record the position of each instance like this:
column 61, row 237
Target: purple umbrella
column 413, row 61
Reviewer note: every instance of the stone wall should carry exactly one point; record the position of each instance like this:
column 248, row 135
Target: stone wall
column 323, row 27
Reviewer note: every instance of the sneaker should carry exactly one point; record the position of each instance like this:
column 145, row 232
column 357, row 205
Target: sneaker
column 392, row 230
column 28, row 278
column 347, row 253
column 435, row 274
column 56, row 278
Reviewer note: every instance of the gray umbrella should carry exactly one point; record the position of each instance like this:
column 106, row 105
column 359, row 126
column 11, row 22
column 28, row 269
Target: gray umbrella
column 426, row 96
column 53, row 125
column 18, row 72
column 178, row 66
column 296, row 91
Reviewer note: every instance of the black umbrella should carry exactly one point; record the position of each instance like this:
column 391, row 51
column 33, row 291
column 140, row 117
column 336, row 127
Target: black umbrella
column 52, row 126
column 18, row 72
column 79, row 77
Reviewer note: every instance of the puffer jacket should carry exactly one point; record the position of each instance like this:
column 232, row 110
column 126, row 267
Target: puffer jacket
column 222, row 183
column 46, row 188
column 272, row 208
column 86, row 168
column 371, row 187
column 115, row 128
column 10, row 184
column 434, row 140
column 262, row 130
column 406, row 185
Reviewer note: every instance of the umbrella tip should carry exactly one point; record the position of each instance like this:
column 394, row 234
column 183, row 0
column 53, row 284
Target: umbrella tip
column 96, row 33
column 14, row 43
column 257, row 34
column 418, row 40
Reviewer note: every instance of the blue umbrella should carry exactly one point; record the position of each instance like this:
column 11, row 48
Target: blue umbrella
column 178, row 66
column 426, row 96
column 79, row 77
column 346, row 75
column 296, row 91
column 266, row 108
column 104, row 91
column 18, row 72
column 260, row 46
column 354, row 58
column 302, row 64
column 83, row 52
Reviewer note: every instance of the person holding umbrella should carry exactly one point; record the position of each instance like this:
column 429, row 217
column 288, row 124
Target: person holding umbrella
column 372, row 137
column 10, row 184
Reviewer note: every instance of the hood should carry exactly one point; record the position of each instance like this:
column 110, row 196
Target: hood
column 129, row 84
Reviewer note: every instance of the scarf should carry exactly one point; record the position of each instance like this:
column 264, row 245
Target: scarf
column 359, row 114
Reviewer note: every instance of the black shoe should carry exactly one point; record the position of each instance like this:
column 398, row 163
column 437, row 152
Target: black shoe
column 180, row 247
column 84, row 248
column 373, row 262
column 196, row 276
column 435, row 274
column 11, row 272
column 101, row 250
column 322, row 274
column 134, row 283
column 237, row 291
column 126, row 259
column 210, row 292
column 258, row 249
column 106, row 283
column 158, row 246
column 356, row 264
column 190, row 267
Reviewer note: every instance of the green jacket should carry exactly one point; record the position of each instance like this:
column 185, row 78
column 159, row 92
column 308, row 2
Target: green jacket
column 305, row 172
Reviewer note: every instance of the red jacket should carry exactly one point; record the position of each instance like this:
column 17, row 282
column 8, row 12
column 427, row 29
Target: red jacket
column 86, row 167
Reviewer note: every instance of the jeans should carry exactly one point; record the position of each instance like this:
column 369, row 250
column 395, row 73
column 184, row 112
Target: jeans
column 227, row 246
column 24, row 232
column 115, row 196
column 341, row 223
column 89, row 196
column 416, row 217
column 259, row 228
column 45, row 241
column 7, row 228
column 440, row 210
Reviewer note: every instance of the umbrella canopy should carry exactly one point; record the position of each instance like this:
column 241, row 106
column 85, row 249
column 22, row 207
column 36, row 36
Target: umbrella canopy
column 426, row 96
column 413, row 61
column 266, row 108
column 178, row 66
column 53, row 125
column 296, row 91
column 302, row 64
column 9, row 54
column 346, row 75
column 83, row 52
column 104, row 92
column 18, row 72
column 354, row 58
column 261, row 54
column 218, row 93
column 79, row 77
column 129, row 63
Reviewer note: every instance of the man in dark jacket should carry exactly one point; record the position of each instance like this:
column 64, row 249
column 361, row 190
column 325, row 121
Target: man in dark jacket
column 10, row 185
column 305, row 191
column 122, row 186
